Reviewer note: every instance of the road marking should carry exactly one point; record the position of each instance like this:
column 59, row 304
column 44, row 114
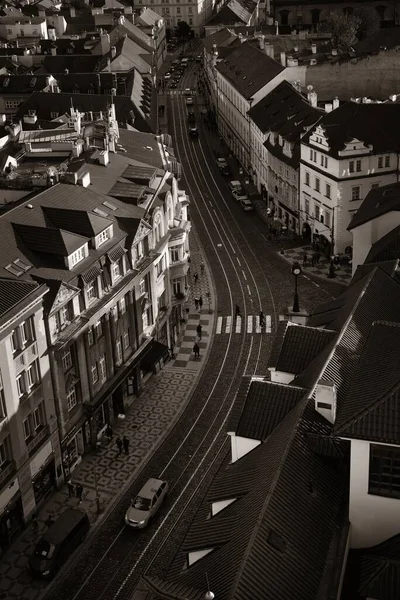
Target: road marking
column 268, row 328
column 228, row 324
column 250, row 324
column 238, row 324
column 244, row 275
column 248, row 289
column 258, row 326
column 219, row 325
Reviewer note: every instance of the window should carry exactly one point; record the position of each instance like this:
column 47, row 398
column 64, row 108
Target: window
column 115, row 271
column 38, row 416
column 77, row 256
column 387, row 161
column 174, row 253
column 327, row 218
column 32, row 375
column 317, row 184
column 3, row 408
column 358, row 166
column 91, row 291
column 71, row 398
column 15, row 344
column 176, row 286
column 63, row 317
column 5, row 450
column 142, row 287
column 103, row 368
column 20, row 385
column 355, row 193
column 140, row 250
column 125, row 340
column 22, row 335
column 313, row 155
column 95, row 374
column 307, row 205
column 122, row 306
column 90, row 337
column 98, row 328
column 178, row 10
column 380, row 162
column 67, row 360
column 54, row 115
column 351, row 166
column 27, row 428
column 327, row 190
column 118, row 350
column 12, row 103
column 317, row 212
column 384, row 471
column 103, row 237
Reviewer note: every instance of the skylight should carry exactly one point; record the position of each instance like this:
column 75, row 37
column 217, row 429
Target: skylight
column 109, row 205
column 100, row 212
column 18, row 267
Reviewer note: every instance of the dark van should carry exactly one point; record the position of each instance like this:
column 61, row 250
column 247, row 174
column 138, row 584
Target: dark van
column 58, row 543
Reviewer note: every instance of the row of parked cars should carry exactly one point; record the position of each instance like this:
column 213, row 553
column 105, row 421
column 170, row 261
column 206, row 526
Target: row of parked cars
column 235, row 186
column 63, row 536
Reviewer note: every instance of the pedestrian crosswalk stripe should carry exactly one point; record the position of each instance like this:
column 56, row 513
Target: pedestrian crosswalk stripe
column 252, row 324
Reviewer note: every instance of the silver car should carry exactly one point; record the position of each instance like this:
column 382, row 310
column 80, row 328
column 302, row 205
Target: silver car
column 146, row 503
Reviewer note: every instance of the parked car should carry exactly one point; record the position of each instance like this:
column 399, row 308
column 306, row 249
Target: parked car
column 146, row 503
column 189, row 101
column 167, row 75
column 187, row 92
column 246, row 204
column 193, row 132
column 173, row 85
column 221, row 162
column 199, row 58
column 58, row 543
column 191, row 117
column 226, row 171
column 237, row 191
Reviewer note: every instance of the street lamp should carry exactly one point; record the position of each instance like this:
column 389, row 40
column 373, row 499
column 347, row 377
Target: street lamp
column 296, row 271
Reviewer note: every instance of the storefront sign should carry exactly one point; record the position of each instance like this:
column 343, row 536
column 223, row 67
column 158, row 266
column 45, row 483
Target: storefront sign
column 8, row 494
column 40, row 458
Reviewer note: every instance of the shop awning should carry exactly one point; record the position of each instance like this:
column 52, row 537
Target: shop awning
column 156, row 352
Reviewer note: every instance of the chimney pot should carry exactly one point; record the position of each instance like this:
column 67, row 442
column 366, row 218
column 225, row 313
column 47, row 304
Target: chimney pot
column 283, row 59
column 314, row 48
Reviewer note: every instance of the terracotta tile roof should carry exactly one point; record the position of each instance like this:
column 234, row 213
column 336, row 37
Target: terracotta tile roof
column 248, row 69
column 370, row 408
column 266, row 405
column 295, row 346
column 379, row 201
column 377, row 125
column 265, row 541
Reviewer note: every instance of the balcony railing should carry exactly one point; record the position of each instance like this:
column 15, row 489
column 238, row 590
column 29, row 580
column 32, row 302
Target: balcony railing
column 37, row 440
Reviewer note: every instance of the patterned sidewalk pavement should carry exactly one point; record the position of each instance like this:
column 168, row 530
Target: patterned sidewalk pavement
column 146, row 424
column 342, row 272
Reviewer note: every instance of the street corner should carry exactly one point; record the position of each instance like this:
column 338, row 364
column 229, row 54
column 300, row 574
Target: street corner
column 316, row 264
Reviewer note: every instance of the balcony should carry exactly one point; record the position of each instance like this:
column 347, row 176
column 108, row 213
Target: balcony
column 6, row 471
column 36, row 441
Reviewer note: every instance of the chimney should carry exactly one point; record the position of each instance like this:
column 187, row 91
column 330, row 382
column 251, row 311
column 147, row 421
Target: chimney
column 104, row 158
column 72, row 12
column 393, row 97
column 313, row 61
column 328, row 107
column 325, row 400
column 54, row 50
column 335, row 103
column 314, row 48
column 269, row 50
column 105, row 43
column 261, row 41
column 121, row 20
column 14, row 58
column 113, row 52
column 312, row 99
column 143, row 9
column 283, row 59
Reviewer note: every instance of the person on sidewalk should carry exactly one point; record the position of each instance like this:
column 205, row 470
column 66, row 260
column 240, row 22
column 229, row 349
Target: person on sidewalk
column 317, row 257
column 305, row 259
column 196, row 303
column 200, row 303
column 202, row 267
column 71, row 489
column 198, row 329
column 237, row 311
column 35, row 524
column 119, row 444
column 196, row 277
column 261, row 319
column 313, row 259
column 196, row 351
column 125, row 442
column 79, row 492
column 49, row 521
column 109, row 433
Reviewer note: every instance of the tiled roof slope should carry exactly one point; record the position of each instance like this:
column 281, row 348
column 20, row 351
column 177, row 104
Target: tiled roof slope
column 13, row 293
column 298, row 346
column 371, row 407
column 249, row 69
column 385, row 249
column 234, row 12
column 374, row 124
column 377, row 299
column 220, row 38
column 266, row 405
column 379, row 201
column 264, row 542
column 391, row 267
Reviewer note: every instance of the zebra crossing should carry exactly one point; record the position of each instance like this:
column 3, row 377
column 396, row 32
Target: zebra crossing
column 251, row 323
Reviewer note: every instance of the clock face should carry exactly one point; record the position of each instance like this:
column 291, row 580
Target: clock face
column 296, row 271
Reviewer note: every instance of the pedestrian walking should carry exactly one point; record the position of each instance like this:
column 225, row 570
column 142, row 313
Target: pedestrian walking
column 119, row 444
column 125, row 442
column 35, row 524
column 198, row 329
column 261, row 318
column 109, row 433
column 196, row 350
column 313, row 259
column 202, row 267
column 200, row 303
column 196, row 303
column 49, row 521
column 196, row 277
column 71, row 489
column 318, row 256
column 305, row 258
column 237, row 311
column 79, row 492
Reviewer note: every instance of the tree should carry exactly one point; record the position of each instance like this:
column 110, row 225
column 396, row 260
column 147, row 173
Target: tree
column 344, row 30
column 370, row 22
column 183, row 31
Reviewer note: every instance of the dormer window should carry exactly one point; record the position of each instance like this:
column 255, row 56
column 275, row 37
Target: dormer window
column 116, row 270
column 280, row 140
column 77, row 256
column 92, row 291
column 63, row 317
column 287, row 148
column 103, row 237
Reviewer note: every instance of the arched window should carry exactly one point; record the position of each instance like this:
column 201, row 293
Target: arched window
column 157, row 228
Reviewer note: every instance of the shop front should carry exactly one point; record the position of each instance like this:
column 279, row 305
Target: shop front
column 72, row 449
column 11, row 514
column 43, row 473
column 155, row 358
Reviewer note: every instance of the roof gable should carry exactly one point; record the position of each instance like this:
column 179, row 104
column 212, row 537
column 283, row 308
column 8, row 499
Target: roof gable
column 49, row 240
column 379, row 201
column 80, row 222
